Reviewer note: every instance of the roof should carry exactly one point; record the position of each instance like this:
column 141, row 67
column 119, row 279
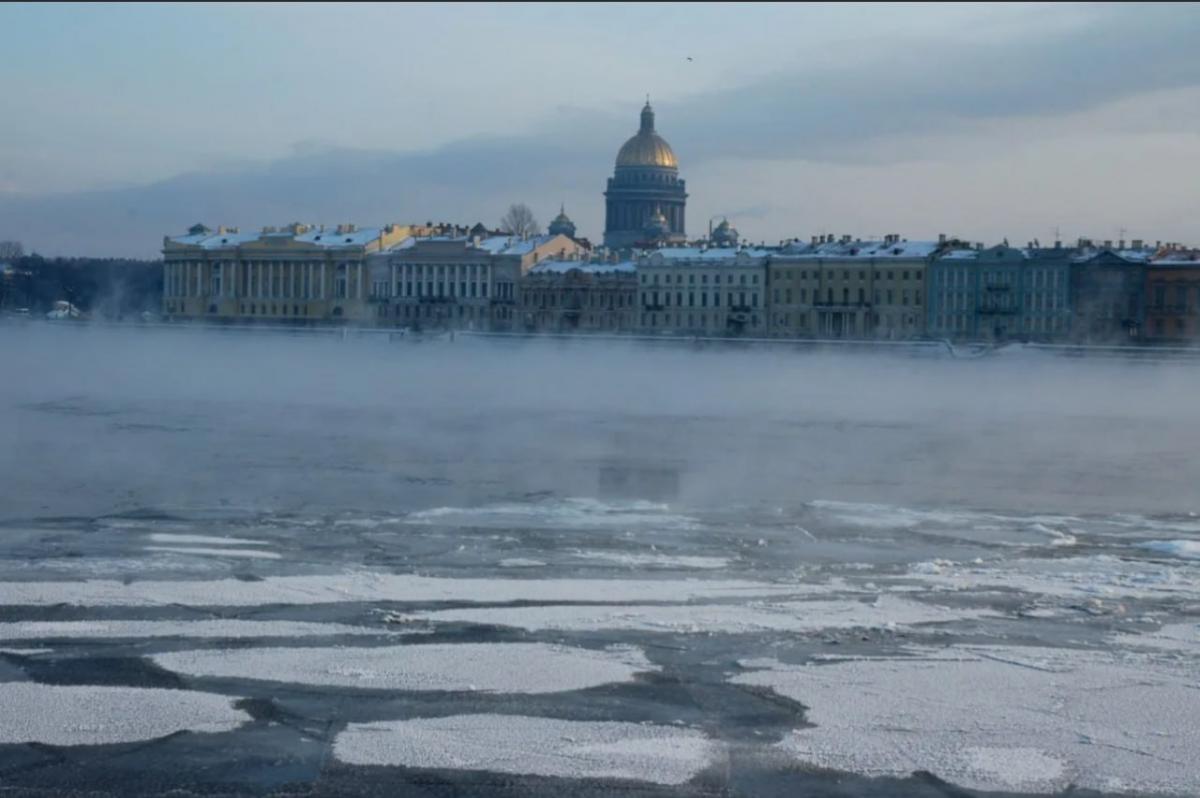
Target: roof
column 590, row 267
column 327, row 238
column 513, row 245
column 714, row 255
column 215, row 240
column 1128, row 255
column 860, row 250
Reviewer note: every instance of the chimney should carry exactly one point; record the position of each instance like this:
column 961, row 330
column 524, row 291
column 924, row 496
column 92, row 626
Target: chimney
column 1121, row 244
column 941, row 238
column 1137, row 243
column 1108, row 243
column 1057, row 244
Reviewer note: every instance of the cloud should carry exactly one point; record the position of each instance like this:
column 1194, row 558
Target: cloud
column 977, row 98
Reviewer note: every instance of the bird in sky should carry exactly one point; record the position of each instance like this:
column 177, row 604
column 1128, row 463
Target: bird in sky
column 689, row 58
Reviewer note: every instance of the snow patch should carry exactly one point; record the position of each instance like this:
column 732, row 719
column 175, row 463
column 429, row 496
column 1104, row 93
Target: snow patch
column 529, row 745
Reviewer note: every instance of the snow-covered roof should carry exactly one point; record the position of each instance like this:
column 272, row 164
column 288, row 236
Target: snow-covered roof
column 1130, row 255
column 710, row 255
column 360, row 236
column 1186, row 259
column 588, row 267
column 961, row 254
column 328, row 237
column 215, row 240
column 856, row 250
column 513, row 245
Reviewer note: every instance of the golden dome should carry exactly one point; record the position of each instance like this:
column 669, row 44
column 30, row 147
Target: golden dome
column 647, row 148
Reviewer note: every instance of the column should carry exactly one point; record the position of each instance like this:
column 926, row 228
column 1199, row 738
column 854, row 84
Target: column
column 322, row 286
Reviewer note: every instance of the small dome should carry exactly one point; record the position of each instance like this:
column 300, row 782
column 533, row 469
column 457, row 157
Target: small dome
column 562, row 224
column 647, row 148
column 725, row 234
column 658, row 226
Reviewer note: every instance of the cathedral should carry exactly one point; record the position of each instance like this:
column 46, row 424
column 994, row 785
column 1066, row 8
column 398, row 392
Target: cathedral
column 645, row 200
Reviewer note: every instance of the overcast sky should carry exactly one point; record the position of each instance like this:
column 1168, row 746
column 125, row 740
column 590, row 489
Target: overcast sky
column 123, row 123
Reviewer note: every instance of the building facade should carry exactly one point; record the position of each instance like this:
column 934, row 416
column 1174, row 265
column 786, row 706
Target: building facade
column 459, row 282
column 645, row 200
column 710, row 291
column 1000, row 293
column 1172, row 297
column 1108, row 290
column 563, row 296
column 849, row 288
column 298, row 274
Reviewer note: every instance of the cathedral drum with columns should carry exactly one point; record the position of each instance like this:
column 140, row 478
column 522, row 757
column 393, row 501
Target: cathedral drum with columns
column 645, row 199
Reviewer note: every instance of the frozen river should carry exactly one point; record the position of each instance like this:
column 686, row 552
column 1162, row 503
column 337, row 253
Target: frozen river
column 257, row 564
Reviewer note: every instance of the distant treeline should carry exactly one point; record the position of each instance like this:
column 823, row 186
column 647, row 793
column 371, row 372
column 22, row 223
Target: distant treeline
column 111, row 288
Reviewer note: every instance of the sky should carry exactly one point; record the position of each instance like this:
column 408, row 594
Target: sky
column 124, row 122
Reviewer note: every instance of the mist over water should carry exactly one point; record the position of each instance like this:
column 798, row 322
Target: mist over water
column 105, row 421
column 732, row 570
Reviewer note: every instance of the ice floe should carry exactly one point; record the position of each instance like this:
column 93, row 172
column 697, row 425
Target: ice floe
column 1181, row 638
column 484, row 667
column 373, row 587
column 208, row 552
column 92, row 715
column 796, row 616
column 100, row 629
column 1100, row 576
column 521, row 562
column 520, row 744
column 1000, row 718
column 654, row 560
column 559, row 513
column 1187, row 549
column 172, row 538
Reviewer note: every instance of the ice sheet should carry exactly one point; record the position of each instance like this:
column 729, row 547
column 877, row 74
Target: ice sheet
column 531, row 745
column 374, row 587
column 576, row 513
column 246, row 553
column 1001, row 718
column 42, row 630
column 171, row 537
column 654, row 560
column 1188, row 549
column 484, row 667
column 91, row 715
column 797, row 616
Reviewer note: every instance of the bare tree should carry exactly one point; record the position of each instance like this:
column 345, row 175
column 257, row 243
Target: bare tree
column 519, row 221
column 11, row 250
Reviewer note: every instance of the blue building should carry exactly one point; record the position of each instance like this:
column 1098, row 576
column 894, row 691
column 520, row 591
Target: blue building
column 1001, row 293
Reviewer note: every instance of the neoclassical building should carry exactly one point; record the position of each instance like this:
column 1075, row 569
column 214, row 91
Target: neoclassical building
column 645, row 200
column 298, row 274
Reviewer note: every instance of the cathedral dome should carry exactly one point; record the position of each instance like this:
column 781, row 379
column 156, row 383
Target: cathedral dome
column 647, row 148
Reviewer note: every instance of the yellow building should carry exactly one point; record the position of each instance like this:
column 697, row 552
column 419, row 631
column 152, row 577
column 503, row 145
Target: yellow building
column 701, row 290
column 297, row 274
column 847, row 288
